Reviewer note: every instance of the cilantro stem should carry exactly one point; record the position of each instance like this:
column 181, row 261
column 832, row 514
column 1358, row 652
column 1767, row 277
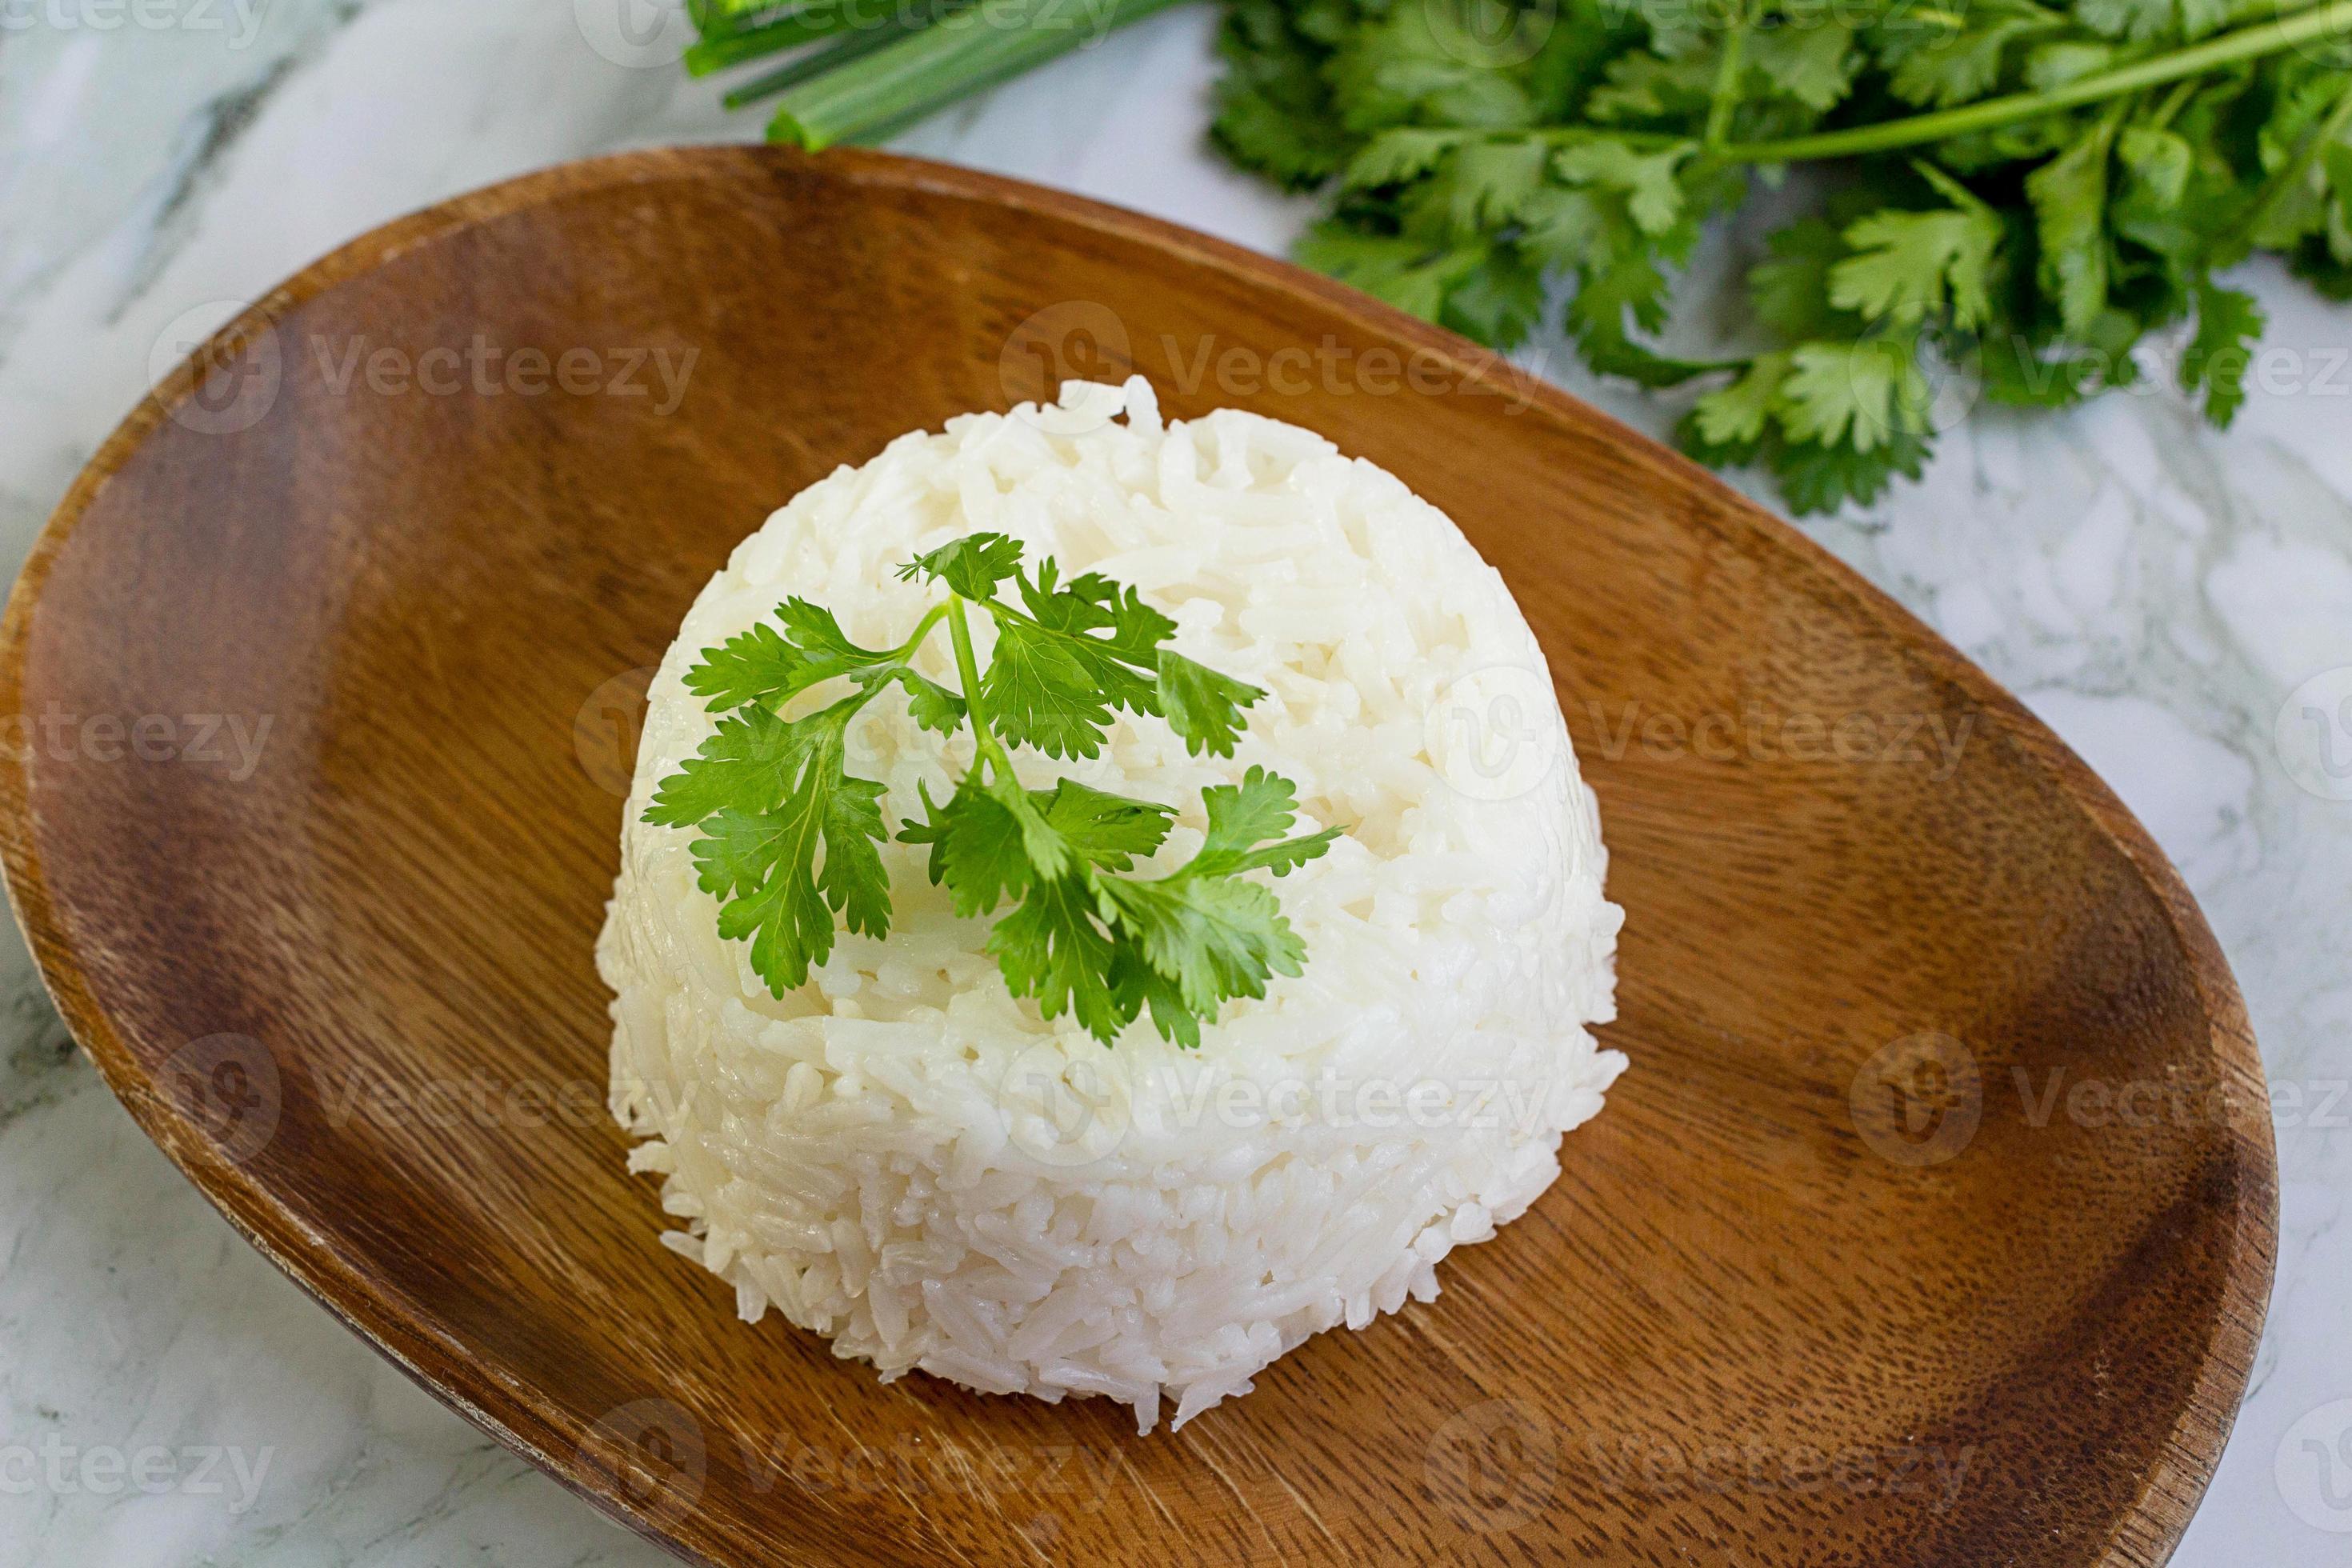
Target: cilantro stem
column 931, row 618
column 2174, row 101
column 1727, row 78
column 990, row 749
column 2247, row 43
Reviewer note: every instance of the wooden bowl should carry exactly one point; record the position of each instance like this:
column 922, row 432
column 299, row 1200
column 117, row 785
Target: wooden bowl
column 1933, row 1224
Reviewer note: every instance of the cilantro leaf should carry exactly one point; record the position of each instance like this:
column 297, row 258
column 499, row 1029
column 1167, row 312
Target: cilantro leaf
column 1201, row 706
column 932, row 705
column 1403, row 153
column 1204, row 936
column 1812, row 62
column 1107, row 831
column 1061, row 671
column 977, row 848
column 1210, row 938
column 2160, row 161
column 1654, row 198
column 742, row 762
column 2227, row 324
column 2069, row 195
column 1054, row 946
column 772, row 663
column 1791, row 291
column 1246, row 824
column 1412, row 274
column 973, row 565
column 982, row 840
column 1851, row 395
column 1042, row 692
column 1274, row 111
column 763, row 859
column 1908, row 266
column 1732, row 418
column 1135, row 986
column 1819, row 477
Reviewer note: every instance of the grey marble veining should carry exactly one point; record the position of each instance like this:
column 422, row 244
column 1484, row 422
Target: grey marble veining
column 2164, row 594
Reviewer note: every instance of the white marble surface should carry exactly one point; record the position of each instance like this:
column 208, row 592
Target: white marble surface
column 2156, row 590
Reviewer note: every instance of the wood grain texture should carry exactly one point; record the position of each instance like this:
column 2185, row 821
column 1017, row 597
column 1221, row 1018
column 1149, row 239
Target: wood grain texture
column 1852, row 1272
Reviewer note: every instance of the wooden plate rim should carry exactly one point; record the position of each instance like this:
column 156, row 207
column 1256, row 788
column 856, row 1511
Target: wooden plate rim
column 399, row 1327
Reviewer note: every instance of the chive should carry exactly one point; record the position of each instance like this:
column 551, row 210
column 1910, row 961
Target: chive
column 836, row 52
column 960, row 54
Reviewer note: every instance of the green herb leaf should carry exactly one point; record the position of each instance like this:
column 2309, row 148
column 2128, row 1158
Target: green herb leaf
column 1202, row 706
column 2069, row 201
column 1908, row 266
column 785, row 869
column 785, row 837
column 2228, row 323
column 1054, row 946
column 973, row 565
column 743, row 763
column 1246, row 824
column 1076, row 657
column 932, row 705
column 772, row 663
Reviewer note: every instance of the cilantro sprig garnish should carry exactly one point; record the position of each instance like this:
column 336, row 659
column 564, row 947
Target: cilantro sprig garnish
column 787, row 838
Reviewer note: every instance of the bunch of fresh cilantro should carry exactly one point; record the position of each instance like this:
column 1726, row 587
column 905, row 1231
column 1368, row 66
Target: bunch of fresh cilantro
column 787, row 838
column 2017, row 196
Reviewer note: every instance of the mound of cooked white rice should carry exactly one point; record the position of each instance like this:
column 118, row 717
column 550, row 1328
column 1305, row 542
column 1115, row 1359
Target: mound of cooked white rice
column 905, row 1158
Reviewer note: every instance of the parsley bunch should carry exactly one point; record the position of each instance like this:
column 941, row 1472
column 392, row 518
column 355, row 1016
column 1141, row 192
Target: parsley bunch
column 787, row 838
column 2019, row 193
